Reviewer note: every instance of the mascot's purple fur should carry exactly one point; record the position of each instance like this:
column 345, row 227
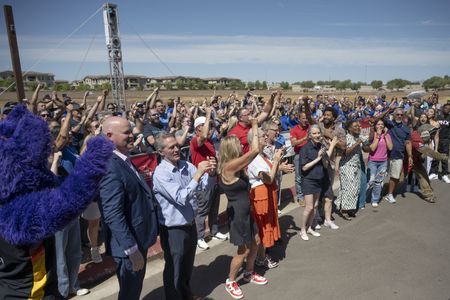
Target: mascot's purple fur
column 34, row 204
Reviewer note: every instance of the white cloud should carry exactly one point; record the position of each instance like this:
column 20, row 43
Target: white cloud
column 197, row 49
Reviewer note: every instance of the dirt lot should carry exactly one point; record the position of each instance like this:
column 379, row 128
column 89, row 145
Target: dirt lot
column 133, row 96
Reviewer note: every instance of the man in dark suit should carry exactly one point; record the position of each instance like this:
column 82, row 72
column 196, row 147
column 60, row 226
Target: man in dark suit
column 127, row 208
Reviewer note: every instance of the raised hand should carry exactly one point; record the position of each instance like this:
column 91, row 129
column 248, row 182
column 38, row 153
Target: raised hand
column 278, row 154
column 204, row 166
column 285, row 167
column 321, row 153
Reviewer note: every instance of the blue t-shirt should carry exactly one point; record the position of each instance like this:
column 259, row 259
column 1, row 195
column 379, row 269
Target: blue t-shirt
column 280, row 141
column 287, row 123
column 400, row 133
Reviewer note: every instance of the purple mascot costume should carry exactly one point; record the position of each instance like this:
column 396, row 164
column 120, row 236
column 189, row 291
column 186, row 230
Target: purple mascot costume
column 34, row 204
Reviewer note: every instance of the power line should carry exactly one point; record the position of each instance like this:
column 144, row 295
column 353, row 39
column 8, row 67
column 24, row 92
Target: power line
column 151, row 50
column 57, row 46
column 85, row 56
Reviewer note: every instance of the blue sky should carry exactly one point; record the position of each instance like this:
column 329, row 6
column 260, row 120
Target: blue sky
column 251, row 40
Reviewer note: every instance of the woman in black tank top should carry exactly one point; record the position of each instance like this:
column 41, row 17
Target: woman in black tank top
column 243, row 232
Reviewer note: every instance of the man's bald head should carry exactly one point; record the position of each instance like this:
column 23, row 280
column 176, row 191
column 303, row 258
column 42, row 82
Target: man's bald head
column 118, row 130
column 112, row 123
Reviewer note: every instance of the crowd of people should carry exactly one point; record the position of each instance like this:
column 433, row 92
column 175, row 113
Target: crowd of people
column 233, row 145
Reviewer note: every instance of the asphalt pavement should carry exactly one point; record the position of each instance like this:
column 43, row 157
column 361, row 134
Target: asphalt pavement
column 396, row 251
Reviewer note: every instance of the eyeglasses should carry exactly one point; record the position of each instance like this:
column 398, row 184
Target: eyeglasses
column 45, row 115
column 399, row 114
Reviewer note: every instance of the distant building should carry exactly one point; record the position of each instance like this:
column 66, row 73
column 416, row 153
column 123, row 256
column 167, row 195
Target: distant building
column 31, row 77
column 93, row 80
column 225, row 81
column 366, row 89
column 61, row 82
column 134, row 82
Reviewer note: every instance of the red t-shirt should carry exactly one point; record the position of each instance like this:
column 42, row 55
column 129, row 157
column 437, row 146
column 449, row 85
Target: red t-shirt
column 417, row 143
column 298, row 133
column 241, row 133
column 199, row 153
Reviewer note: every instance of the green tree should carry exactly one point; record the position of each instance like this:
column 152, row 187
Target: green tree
column 191, row 84
column 250, row 85
column 434, row 82
column 6, row 83
column 32, row 85
column 397, row 83
column 168, row 85
column 83, row 87
column 257, row 85
column 307, row 84
column 356, row 85
column 285, row 85
column 264, row 85
column 201, row 85
column 179, row 84
column 340, row 85
column 376, row 84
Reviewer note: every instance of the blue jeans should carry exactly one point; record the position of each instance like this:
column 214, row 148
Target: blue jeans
column 68, row 257
column 298, row 177
column 362, row 186
column 377, row 172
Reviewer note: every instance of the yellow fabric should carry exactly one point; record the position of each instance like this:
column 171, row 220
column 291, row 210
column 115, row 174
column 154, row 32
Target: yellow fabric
column 39, row 274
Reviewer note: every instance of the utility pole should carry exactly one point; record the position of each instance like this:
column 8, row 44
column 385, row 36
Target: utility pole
column 14, row 49
column 113, row 45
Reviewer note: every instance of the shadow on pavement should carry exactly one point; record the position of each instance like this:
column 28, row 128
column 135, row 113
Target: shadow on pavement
column 288, row 230
column 203, row 280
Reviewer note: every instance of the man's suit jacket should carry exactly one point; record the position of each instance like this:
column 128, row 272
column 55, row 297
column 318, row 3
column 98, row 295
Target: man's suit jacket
column 127, row 207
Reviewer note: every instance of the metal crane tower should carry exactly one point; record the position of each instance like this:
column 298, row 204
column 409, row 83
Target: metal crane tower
column 110, row 20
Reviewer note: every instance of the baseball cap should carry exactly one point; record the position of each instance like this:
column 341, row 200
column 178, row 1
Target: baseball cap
column 199, row 121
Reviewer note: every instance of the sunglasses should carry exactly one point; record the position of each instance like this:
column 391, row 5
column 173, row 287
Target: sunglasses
column 399, row 114
column 45, row 115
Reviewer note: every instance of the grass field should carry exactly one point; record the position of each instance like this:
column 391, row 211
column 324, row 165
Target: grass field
column 187, row 95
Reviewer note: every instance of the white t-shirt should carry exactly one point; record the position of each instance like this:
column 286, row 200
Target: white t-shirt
column 254, row 168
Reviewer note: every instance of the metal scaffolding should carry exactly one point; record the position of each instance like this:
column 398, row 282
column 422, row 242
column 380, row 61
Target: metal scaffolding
column 113, row 45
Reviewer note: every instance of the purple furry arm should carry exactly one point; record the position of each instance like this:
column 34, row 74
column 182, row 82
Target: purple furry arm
column 34, row 216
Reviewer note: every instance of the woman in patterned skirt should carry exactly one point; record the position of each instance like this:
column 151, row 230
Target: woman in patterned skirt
column 349, row 172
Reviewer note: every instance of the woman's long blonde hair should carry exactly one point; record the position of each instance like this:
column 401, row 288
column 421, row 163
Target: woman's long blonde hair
column 232, row 122
column 230, row 148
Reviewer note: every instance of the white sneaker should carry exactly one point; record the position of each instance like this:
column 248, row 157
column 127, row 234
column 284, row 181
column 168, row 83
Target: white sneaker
column 389, row 198
column 220, row 236
column 433, row 176
column 374, row 204
column 330, row 224
column 446, row 179
column 81, row 292
column 95, row 255
column 202, row 244
column 318, row 227
column 304, row 236
column 279, row 212
column 312, row 232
